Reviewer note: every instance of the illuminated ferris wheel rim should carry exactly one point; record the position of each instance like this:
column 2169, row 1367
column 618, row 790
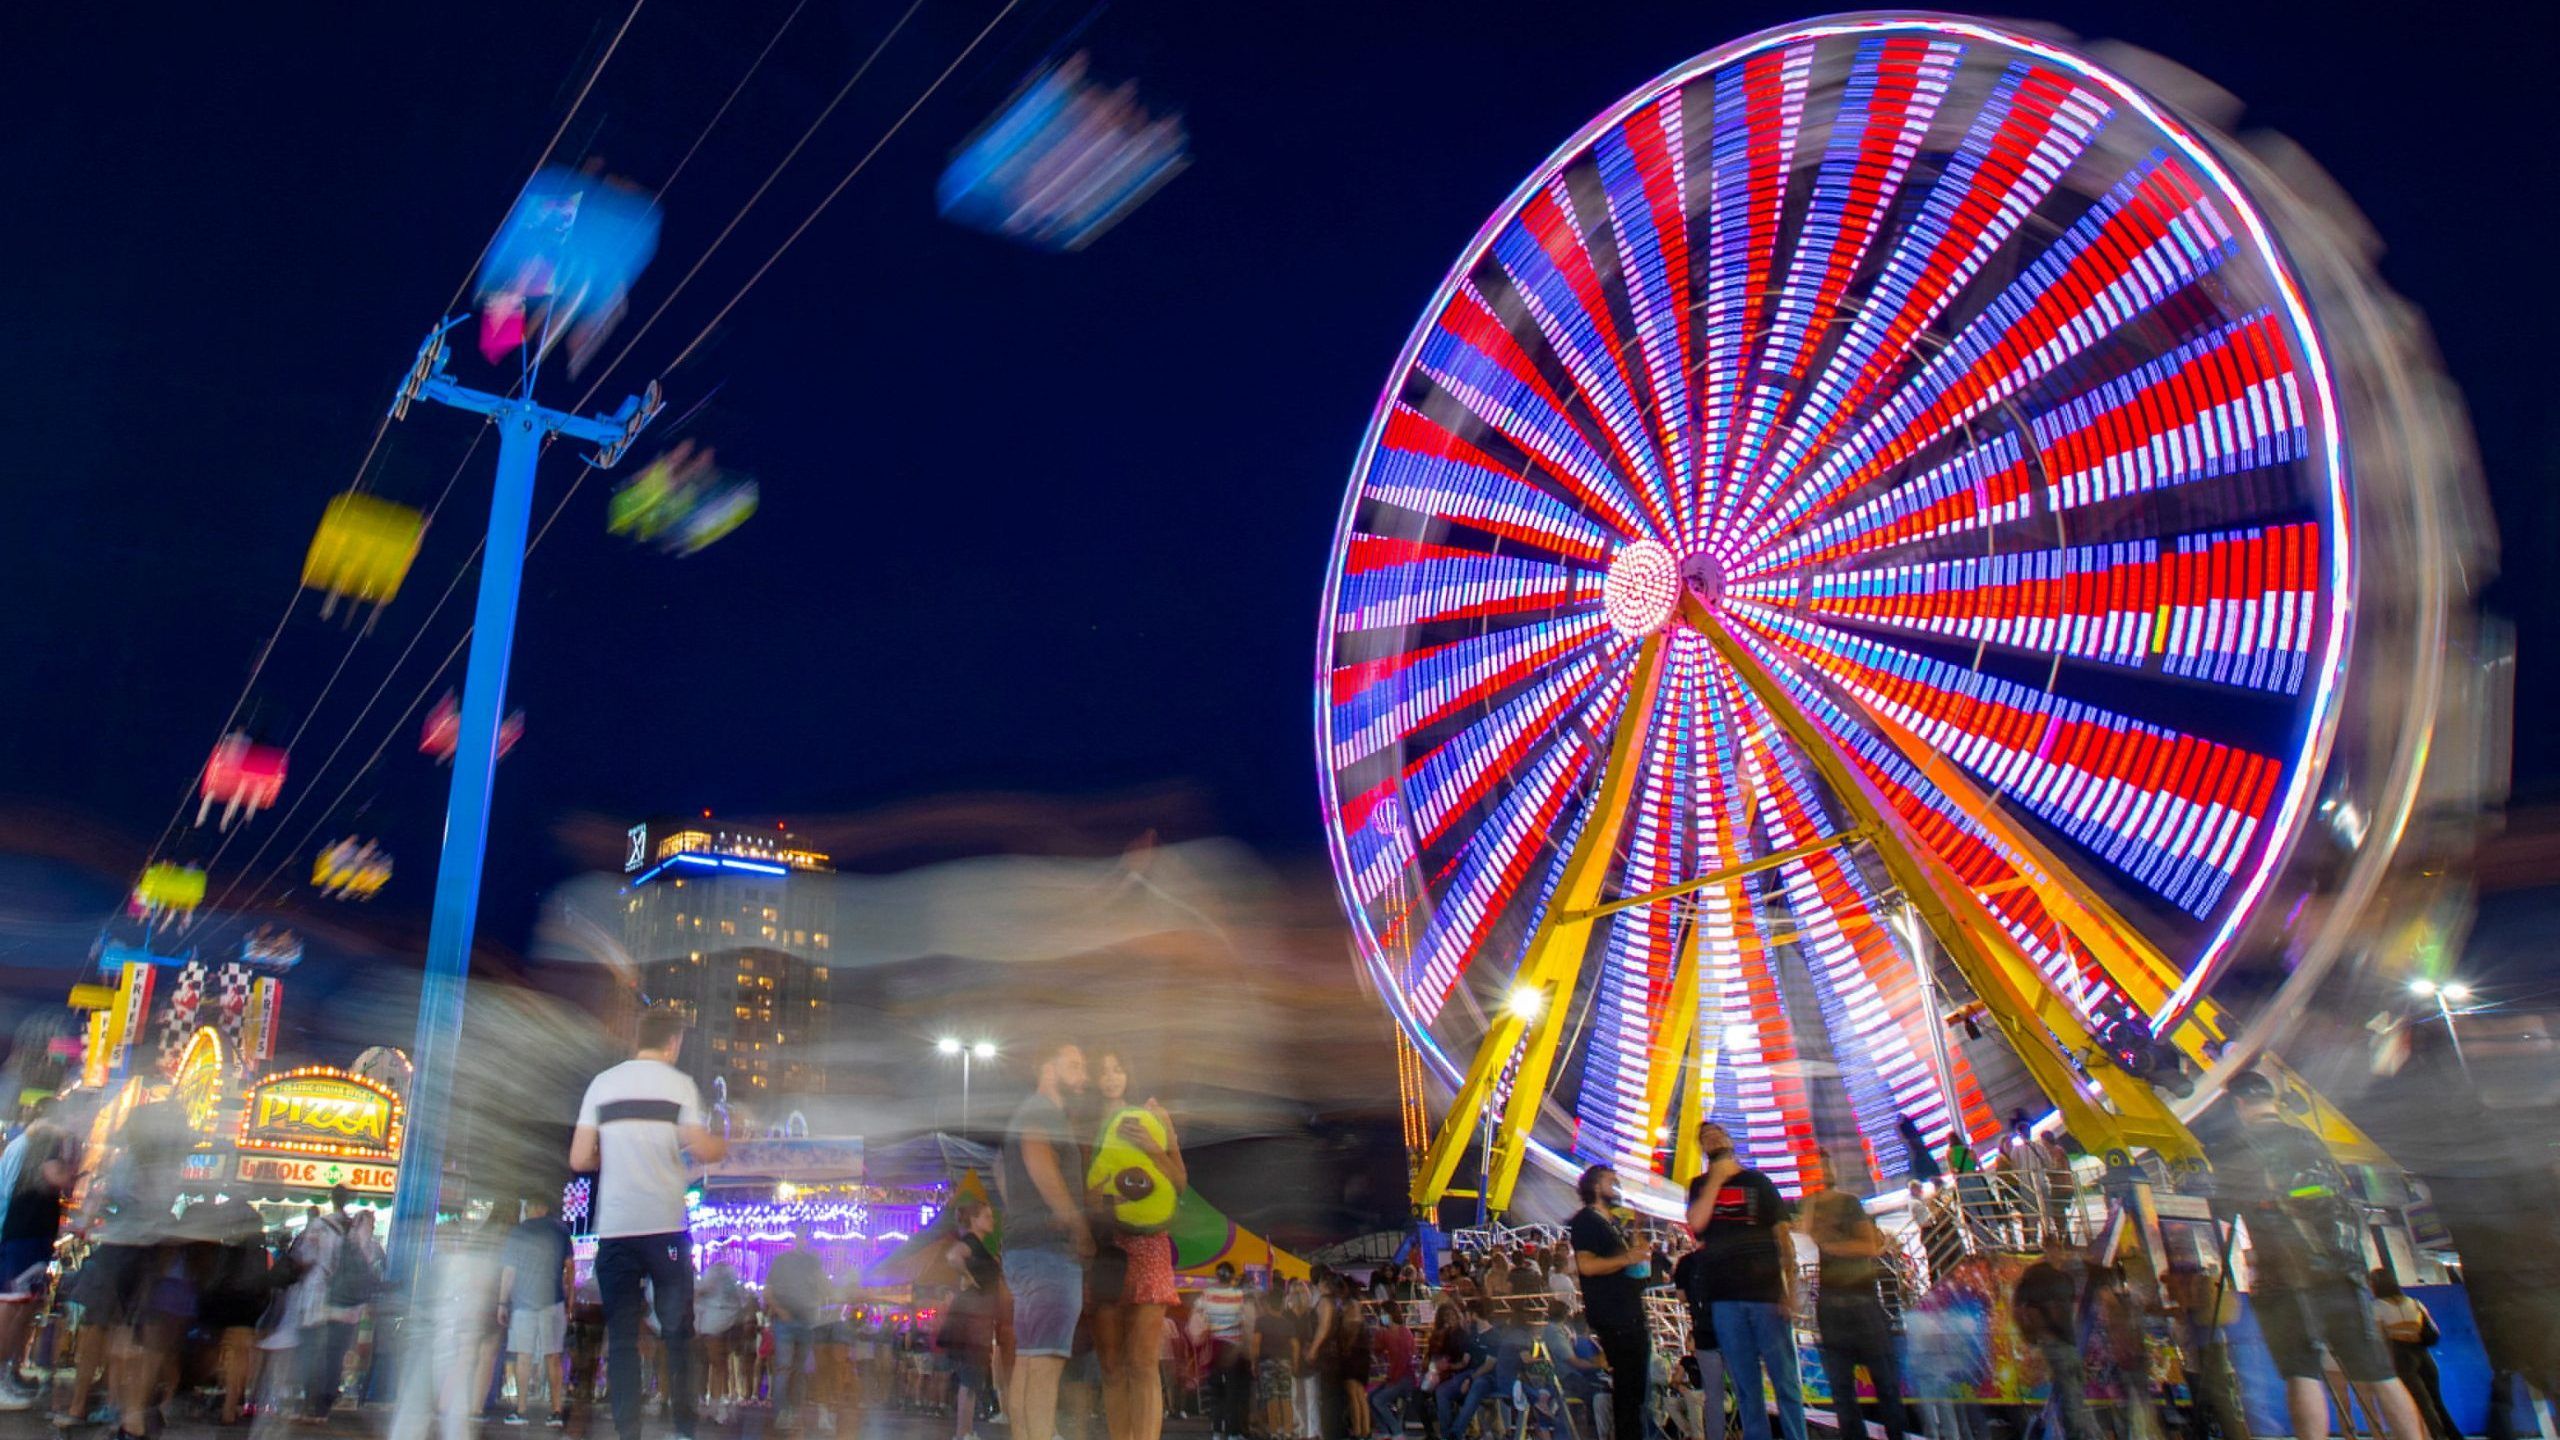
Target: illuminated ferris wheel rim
column 2313, row 737
column 2321, row 723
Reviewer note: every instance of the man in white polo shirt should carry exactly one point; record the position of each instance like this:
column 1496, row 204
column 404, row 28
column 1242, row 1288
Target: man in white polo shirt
column 641, row 1132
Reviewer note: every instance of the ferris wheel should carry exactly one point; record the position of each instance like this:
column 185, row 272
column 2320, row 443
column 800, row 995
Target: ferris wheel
column 1867, row 522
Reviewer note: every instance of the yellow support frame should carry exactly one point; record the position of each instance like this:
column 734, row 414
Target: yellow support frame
column 1550, row 964
column 2042, row 1031
column 2137, row 967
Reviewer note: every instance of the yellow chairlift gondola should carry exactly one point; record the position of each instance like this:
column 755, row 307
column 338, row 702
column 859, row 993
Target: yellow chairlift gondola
column 362, row 550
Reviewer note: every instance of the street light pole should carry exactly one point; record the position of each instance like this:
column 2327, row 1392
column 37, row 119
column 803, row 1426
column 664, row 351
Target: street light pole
column 980, row 1050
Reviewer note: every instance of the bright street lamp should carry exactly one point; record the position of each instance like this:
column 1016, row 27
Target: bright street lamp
column 2446, row 996
column 1526, row 1002
column 980, row 1050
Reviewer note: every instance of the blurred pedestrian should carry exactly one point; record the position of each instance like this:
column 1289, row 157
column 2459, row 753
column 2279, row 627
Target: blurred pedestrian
column 1128, row 1321
column 441, row 1381
column 637, row 1124
column 795, row 1288
column 1047, row 1240
column 1919, row 1165
column 137, row 1250
column 239, row 1286
column 720, row 1304
column 2413, row 1336
column 2306, row 1238
column 972, row 1321
column 2045, row 1306
column 1352, row 1360
column 1398, row 1378
column 1614, row 1270
column 323, row 1328
column 1219, row 1320
column 35, row 1172
column 1849, row 1311
column 1748, row 1274
column 534, row 1276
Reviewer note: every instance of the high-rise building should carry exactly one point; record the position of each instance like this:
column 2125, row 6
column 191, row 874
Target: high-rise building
column 730, row 924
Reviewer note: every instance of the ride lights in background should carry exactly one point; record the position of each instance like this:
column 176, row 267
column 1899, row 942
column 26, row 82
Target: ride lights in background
column 243, row 775
column 1064, row 161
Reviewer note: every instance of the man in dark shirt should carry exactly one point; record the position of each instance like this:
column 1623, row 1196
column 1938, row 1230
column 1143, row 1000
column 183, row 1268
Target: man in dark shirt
column 2046, row 1307
column 1849, row 1312
column 2306, row 1244
column 1747, row 1277
column 1046, row 1239
column 1613, row 1273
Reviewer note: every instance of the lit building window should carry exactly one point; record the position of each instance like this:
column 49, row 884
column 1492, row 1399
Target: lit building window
column 728, row 927
column 822, row 944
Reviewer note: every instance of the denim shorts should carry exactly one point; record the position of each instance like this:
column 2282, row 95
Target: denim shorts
column 1048, row 1295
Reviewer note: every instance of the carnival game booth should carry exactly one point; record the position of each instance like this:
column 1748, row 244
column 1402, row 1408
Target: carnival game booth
column 752, row 1206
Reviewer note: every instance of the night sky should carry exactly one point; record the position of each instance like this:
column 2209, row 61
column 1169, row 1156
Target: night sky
column 1031, row 522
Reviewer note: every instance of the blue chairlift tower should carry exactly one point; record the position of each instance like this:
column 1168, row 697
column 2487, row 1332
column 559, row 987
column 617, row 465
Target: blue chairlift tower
column 523, row 428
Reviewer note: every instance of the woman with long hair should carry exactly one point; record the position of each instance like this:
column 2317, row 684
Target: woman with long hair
column 1128, row 1327
column 2412, row 1334
column 1352, row 1367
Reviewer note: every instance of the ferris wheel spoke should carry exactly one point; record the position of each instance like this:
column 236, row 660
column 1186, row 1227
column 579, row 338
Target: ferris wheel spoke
column 1977, row 487
column 1392, row 583
column 2029, row 131
column 1380, row 702
column 2171, row 810
column 2231, row 607
column 1431, row 473
column 1474, row 359
column 1547, row 260
column 2150, row 237
column 1749, row 155
column 1645, row 182
column 2223, row 404
column 1892, row 92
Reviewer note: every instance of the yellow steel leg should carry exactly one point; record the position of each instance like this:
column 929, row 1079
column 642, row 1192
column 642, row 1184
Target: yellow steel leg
column 1548, row 968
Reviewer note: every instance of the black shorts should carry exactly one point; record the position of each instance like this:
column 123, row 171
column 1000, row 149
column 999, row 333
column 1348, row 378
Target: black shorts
column 2298, row 1320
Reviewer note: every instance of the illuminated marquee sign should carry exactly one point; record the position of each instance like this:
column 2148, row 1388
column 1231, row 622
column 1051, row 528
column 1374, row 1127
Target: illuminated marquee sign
column 324, row 1113
column 364, row 1179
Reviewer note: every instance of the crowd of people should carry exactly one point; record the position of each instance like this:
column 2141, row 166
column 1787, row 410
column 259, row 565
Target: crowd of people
column 1077, row 1313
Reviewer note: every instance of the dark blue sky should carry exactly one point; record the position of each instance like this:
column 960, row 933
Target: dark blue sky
column 1030, row 521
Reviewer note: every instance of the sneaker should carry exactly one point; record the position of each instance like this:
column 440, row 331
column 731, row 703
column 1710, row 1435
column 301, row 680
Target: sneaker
column 559, row 1420
column 13, row 1397
column 511, row 1418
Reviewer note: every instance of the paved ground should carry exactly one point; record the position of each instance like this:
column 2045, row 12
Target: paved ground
column 373, row 1421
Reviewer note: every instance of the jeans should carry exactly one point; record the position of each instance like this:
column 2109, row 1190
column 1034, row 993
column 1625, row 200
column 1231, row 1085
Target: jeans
column 1387, row 1404
column 1855, row 1331
column 2070, row 1389
column 665, row 1264
column 1457, row 1400
column 324, row 1350
column 1048, row 1294
column 1630, row 1356
column 792, row 1353
column 1710, row 1392
column 1756, row 1340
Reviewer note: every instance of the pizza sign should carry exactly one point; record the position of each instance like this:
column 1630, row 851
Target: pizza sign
column 322, row 1111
